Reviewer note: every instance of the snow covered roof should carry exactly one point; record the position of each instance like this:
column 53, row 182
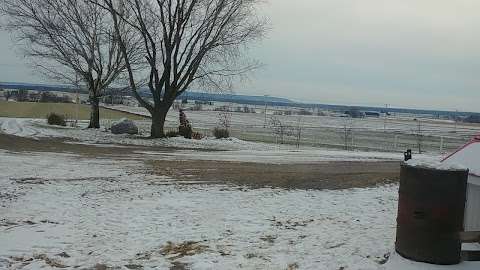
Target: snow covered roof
column 468, row 156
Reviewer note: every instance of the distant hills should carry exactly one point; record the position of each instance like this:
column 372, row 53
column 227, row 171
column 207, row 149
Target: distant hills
column 193, row 95
column 240, row 99
column 243, row 99
column 37, row 87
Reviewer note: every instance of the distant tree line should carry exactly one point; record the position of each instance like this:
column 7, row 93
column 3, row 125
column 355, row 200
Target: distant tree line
column 44, row 97
column 49, row 97
column 474, row 118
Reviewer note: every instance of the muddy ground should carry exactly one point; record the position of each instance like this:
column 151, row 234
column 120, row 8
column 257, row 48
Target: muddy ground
column 319, row 175
column 65, row 145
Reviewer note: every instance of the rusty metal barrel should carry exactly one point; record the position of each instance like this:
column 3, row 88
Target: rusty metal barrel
column 431, row 214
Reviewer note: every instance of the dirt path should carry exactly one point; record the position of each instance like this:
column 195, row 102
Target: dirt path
column 319, row 175
column 59, row 145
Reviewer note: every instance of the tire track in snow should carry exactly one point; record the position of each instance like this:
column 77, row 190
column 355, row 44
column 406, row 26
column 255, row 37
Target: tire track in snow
column 22, row 128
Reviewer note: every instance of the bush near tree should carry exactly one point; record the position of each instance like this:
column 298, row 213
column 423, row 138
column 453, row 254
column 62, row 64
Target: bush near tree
column 56, row 119
column 221, row 133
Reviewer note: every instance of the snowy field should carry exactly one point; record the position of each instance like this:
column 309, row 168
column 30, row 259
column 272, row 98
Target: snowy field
column 233, row 149
column 391, row 134
column 72, row 211
column 75, row 212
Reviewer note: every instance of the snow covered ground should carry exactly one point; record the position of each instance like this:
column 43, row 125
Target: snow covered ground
column 37, row 128
column 26, row 128
column 397, row 262
column 76, row 212
column 233, row 149
column 276, row 156
column 210, row 118
column 66, row 211
column 62, row 210
column 394, row 133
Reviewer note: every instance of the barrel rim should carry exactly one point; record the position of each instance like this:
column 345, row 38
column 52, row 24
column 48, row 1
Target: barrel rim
column 424, row 167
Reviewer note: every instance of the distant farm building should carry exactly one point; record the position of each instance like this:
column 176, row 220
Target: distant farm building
column 372, row 114
column 355, row 113
column 474, row 118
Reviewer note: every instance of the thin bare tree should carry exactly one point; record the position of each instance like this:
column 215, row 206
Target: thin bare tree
column 7, row 94
column 186, row 42
column 70, row 40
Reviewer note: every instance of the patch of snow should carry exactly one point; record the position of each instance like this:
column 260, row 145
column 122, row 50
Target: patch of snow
column 26, row 128
column 54, row 166
column 397, row 262
column 39, row 129
column 435, row 164
column 277, row 156
column 212, row 143
column 128, row 217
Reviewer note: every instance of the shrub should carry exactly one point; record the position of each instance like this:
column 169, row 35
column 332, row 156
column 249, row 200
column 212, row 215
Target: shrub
column 56, row 119
column 197, row 136
column 172, row 133
column 185, row 131
column 221, row 133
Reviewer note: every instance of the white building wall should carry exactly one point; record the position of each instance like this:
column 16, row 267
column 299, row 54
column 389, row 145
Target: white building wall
column 472, row 208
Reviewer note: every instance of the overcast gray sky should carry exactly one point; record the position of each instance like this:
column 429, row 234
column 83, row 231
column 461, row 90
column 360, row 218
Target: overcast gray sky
column 406, row 53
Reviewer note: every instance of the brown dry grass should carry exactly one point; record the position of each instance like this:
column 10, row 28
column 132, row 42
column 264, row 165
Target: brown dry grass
column 40, row 257
column 41, row 110
column 181, row 250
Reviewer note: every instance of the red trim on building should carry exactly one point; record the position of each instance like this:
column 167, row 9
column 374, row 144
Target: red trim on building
column 476, row 139
column 460, row 149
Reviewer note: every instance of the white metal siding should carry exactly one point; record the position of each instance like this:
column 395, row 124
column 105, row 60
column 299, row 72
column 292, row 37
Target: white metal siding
column 472, row 211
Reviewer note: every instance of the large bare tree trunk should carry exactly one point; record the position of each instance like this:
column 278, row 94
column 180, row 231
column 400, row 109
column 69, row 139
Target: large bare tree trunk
column 94, row 113
column 158, row 122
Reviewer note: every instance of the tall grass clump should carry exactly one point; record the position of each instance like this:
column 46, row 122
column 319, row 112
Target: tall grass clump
column 221, row 133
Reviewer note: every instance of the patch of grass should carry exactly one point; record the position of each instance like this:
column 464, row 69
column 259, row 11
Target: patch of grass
column 269, row 238
column 197, row 135
column 250, row 255
column 221, row 133
column 179, row 266
column 293, row 266
column 184, row 249
column 40, row 257
column 172, row 133
column 39, row 110
column 133, row 266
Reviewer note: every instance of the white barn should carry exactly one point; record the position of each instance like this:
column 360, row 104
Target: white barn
column 469, row 157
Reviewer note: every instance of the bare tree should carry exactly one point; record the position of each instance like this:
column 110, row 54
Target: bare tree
column 186, row 41
column 298, row 132
column 348, row 132
column 281, row 130
column 69, row 39
column 419, row 135
column 225, row 119
column 22, row 95
column 7, row 94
